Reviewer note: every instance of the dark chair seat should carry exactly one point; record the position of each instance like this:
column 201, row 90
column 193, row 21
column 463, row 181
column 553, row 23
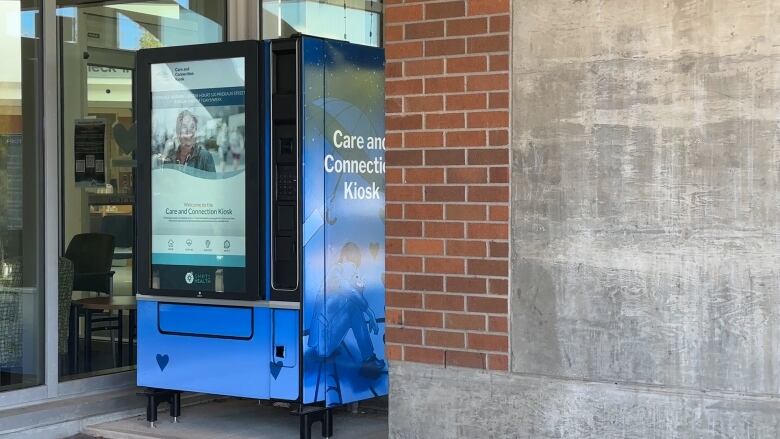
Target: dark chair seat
column 100, row 282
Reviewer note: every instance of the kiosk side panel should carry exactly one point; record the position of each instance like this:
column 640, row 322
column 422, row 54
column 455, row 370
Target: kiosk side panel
column 313, row 213
column 354, row 168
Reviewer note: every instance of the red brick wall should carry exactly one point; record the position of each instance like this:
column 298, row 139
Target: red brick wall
column 448, row 181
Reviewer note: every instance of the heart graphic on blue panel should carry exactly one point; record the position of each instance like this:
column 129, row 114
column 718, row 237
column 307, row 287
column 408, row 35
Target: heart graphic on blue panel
column 276, row 368
column 162, row 361
column 373, row 248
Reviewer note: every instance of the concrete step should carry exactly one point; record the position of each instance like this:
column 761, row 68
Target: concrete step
column 233, row 418
column 69, row 416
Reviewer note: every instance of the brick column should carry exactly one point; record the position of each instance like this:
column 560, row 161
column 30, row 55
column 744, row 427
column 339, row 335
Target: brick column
column 448, row 181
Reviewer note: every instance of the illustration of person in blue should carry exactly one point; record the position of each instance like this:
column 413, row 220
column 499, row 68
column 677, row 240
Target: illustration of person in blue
column 344, row 311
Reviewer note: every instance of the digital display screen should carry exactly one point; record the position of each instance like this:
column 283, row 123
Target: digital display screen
column 198, row 177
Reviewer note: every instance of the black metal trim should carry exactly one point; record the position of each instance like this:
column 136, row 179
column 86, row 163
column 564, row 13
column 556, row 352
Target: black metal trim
column 300, row 109
column 287, row 45
column 299, row 126
column 255, row 157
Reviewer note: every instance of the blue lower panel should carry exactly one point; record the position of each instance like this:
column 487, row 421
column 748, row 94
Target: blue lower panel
column 216, row 365
column 284, row 371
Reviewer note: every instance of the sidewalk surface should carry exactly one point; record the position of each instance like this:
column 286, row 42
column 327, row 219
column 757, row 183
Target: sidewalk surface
column 238, row 419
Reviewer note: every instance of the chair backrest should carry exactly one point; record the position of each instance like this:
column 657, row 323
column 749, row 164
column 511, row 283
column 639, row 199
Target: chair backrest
column 10, row 313
column 92, row 254
column 65, row 289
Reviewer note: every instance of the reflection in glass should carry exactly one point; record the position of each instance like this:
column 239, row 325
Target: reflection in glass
column 357, row 21
column 97, row 44
column 21, row 298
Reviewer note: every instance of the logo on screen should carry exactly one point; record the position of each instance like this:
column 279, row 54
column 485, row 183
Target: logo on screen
column 197, row 278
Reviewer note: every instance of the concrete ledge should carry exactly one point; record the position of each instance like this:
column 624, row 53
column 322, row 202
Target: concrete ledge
column 233, row 418
column 432, row 402
column 69, row 416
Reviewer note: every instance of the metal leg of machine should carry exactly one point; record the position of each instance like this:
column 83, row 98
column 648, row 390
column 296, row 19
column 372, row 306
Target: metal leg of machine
column 156, row 396
column 310, row 415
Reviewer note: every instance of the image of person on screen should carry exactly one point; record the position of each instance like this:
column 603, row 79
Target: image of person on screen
column 188, row 151
column 345, row 310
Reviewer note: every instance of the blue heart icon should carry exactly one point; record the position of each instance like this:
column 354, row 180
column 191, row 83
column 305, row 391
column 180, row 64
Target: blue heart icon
column 276, row 368
column 162, row 361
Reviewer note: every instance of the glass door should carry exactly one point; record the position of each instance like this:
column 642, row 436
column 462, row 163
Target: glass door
column 21, row 292
column 98, row 41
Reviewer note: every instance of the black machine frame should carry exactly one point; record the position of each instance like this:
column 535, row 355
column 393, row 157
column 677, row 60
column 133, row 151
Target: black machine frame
column 284, row 118
column 254, row 270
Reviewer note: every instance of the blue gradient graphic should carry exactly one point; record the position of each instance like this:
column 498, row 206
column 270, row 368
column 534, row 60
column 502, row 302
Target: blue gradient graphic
column 198, row 260
column 344, row 305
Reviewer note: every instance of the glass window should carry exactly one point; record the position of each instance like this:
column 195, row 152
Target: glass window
column 98, row 42
column 357, row 21
column 21, row 292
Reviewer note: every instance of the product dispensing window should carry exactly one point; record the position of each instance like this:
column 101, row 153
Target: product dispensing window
column 201, row 227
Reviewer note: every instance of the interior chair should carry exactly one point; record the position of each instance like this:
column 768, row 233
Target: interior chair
column 65, row 296
column 92, row 255
column 10, row 318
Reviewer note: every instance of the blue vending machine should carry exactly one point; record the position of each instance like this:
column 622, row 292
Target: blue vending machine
column 260, row 223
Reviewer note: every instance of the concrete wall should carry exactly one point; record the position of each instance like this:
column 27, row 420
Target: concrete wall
column 645, row 287
column 646, row 181
column 429, row 403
